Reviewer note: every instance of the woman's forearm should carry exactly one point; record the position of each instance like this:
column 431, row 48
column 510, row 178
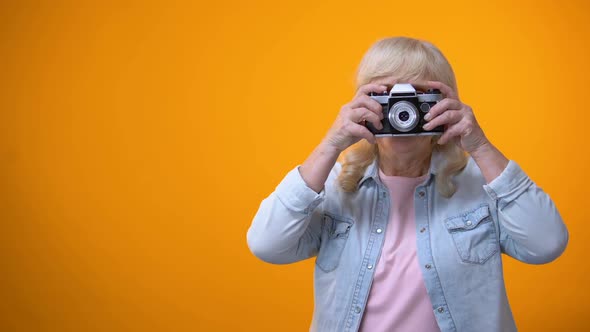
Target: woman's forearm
column 490, row 160
column 531, row 228
column 317, row 166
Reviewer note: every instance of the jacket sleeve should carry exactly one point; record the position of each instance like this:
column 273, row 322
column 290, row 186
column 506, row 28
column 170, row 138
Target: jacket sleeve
column 287, row 226
column 531, row 228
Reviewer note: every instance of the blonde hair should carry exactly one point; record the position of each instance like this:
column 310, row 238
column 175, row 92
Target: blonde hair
column 406, row 59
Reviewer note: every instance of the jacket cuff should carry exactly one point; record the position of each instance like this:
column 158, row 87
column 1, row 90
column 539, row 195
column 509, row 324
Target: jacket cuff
column 510, row 184
column 296, row 195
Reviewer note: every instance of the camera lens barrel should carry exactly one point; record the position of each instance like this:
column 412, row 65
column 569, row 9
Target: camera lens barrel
column 403, row 116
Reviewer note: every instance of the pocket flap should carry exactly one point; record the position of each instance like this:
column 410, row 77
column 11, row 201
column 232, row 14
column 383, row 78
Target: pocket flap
column 341, row 228
column 337, row 225
column 468, row 220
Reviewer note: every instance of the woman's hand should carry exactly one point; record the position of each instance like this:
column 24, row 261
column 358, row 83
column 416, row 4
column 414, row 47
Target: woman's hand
column 349, row 128
column 459, row 122
column 461, row 127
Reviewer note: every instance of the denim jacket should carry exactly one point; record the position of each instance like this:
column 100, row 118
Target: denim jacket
column 459, row 241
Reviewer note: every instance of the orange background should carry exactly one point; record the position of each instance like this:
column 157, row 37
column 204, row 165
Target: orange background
column 137, row 140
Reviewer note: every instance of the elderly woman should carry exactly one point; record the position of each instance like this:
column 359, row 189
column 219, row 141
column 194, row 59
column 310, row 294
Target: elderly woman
column 408, row 230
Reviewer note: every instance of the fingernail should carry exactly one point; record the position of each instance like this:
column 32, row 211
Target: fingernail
column 427, row 117
column 426, row 126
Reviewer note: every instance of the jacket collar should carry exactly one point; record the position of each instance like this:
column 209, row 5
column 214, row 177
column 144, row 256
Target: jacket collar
column 372, row 171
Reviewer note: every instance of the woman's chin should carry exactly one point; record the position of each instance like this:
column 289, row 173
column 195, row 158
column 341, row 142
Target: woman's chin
column 404, row 143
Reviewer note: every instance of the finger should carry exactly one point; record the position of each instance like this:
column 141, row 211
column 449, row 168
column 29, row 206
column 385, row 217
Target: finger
column 445, row 89
column 361, row 114
column 357, row 130
column 368, row 88
column 369, row 103
column 420, row 85
column 449, row 117
column 441, row 106
column 450, row 133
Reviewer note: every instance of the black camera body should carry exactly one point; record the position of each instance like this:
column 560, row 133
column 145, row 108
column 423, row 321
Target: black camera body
column 404, row 110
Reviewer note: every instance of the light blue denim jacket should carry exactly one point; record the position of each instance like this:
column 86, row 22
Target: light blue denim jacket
column 459, row 241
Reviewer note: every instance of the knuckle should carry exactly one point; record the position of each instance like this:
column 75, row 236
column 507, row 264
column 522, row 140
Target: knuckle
column 360, row 113
column 437, row 109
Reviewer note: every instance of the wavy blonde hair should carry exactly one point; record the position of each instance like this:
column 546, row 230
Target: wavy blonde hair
column 406, row 59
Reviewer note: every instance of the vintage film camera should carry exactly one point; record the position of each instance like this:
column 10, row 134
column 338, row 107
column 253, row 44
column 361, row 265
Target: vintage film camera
column 404, row 110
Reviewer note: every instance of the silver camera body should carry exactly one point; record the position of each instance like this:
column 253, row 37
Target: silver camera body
column 404, row 109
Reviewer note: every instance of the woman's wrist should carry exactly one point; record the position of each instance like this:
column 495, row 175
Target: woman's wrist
column 330, row 149
column 490, row 161
column 317, row 166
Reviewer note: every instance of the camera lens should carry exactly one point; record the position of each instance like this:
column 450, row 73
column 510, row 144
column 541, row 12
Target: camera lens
column 404, row 116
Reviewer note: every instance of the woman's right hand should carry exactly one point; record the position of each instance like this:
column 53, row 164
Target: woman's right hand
column 346, row 130
column 349, row 128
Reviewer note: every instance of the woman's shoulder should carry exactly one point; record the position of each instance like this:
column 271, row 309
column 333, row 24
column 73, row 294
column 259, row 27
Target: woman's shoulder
column 347, row 181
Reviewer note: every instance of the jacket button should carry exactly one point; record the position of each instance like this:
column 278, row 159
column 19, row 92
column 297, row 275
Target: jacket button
column 468, row 223
column 379, row 231
column 357, row 309
column 421, row 194
column 441, row 309
column 428, row 266
column 369, row 266
column 422, row 230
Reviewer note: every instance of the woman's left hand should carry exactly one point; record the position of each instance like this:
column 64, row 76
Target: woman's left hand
column 457, row 118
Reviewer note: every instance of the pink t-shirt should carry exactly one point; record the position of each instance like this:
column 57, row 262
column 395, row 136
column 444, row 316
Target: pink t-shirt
column 398, row 300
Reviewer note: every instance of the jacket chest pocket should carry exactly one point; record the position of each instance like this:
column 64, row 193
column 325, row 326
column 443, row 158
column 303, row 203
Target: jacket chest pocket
column 474, row 235
column 335, row 230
